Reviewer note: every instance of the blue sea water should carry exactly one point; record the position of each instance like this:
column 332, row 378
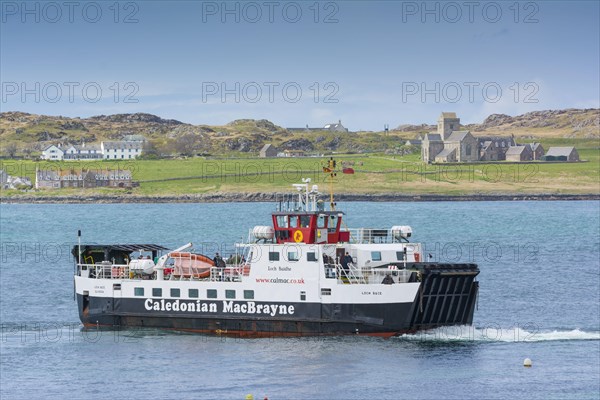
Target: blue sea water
column 539, row 298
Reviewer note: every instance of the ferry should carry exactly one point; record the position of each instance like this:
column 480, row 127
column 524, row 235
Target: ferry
column 306, row 274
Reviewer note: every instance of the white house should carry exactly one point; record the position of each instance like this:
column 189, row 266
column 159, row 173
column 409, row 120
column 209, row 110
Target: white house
column 53, row 152
column 83, row 152
column 121, row 150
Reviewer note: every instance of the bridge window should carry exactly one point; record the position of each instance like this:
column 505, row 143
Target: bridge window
column 282, row 221
column 332, row 223
column 249, row 294
column 400, row 255
column 193, row 293
column 211, row 293
column 304, row 221
column 321, row 221
column 156, row 292
column 273, row 256
column 138, row 291
column 230, row 294
column 175, row 292
column 311, row 256
column 376, row 255
column 293, row 221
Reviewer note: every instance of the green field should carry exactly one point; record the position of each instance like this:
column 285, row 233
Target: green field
column 375, row 173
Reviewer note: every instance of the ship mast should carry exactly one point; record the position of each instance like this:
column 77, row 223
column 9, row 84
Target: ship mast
column 330, row 169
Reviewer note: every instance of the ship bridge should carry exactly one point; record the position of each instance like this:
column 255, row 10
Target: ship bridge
column 303, row 219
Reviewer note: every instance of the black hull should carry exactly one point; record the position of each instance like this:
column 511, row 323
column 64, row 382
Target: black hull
column 447, row 296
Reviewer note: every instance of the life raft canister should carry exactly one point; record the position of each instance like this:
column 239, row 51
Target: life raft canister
column 417, row 257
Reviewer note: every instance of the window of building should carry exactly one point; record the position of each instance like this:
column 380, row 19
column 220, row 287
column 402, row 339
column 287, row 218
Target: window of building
column 175, row 292
column 311, row 256
column 230, row 294
column 211, row 293
column 376, row 255
column 273, row 256
column 249, row 294
column 468, row 150
column 193, row 293
column 156, row 292
column 138, row 291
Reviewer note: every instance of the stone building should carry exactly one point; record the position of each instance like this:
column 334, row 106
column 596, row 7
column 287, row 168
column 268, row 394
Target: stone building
column 519, row 153
column 268, row 150
column 82, row 178
column 537, row 151
column 449, row 144
column 561, row 154
column 431, row 146
column 493, row 148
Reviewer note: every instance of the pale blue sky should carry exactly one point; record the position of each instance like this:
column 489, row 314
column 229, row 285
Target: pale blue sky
column 375, row 60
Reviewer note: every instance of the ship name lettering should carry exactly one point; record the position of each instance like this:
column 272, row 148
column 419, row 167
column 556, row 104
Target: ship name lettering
column 285, row 268
column 366, row 293
column 162, row 305
column 253, row 308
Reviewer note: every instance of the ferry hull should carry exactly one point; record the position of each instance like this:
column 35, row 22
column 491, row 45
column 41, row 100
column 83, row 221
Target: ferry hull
column 435, row 305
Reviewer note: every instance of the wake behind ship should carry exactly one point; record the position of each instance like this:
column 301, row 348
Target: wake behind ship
column 304, row 275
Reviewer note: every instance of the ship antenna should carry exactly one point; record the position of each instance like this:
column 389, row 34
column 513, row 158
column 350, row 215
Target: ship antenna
column 330, row 169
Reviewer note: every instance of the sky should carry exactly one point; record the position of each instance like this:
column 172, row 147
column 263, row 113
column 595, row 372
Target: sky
column 298, row 63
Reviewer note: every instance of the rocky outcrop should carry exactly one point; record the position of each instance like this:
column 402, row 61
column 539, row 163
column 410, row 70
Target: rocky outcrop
column 137, row 117
column 297, row 144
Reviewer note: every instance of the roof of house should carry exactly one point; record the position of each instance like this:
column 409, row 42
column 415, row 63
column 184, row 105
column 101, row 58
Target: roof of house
column 267, row 146
column 446, row 152
column 515, row 150
column 560, row 151
column 432, row 137
column 85, row 147
column 495, row 139
column 457, row 136
column 52, row 145
column 414, row 142
column 535, row 146
column 448, row 115
column 122, row 145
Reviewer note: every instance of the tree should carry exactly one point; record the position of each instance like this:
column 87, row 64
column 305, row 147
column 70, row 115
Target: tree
column 188, row 144
column 11, row 150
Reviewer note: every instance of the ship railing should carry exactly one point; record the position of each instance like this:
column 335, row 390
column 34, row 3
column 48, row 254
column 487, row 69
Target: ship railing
column 372, row 235
column 228, row 274
column 350, row 275
column 384, row 275
column 103, row 270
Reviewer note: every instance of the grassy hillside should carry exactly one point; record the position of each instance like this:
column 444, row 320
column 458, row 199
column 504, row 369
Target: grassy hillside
column 30, row 133
column 375, row 173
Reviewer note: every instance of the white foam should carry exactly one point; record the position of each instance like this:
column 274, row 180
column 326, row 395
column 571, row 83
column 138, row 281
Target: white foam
column 494, row 333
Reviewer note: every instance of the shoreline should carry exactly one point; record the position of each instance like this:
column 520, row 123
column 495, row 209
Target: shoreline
column 270, row 197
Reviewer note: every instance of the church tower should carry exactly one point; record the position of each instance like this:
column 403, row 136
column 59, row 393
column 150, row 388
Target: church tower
column 447, row 123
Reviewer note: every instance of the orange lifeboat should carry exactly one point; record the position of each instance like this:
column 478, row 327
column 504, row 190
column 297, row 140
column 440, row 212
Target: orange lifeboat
column 190, row 265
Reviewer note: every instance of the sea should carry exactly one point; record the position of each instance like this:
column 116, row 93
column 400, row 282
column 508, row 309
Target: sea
column 539, row 299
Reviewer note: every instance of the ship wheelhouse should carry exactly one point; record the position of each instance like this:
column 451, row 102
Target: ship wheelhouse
column 310, row 227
